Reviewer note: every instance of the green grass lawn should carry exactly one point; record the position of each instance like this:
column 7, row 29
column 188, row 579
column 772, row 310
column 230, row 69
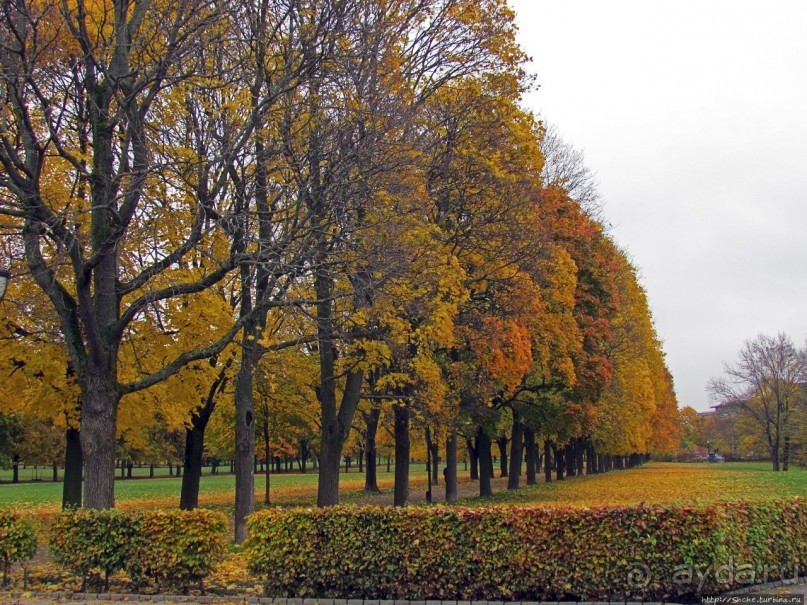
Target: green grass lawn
column 45, row 473
column 215, row 490
column 651, row 483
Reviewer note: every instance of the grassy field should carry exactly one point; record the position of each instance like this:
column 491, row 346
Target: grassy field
column 651, row 483
column 663, row 483
column 216, row 491
column 45, row 473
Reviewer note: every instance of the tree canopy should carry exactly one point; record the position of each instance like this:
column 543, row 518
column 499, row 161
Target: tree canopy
column 305, row 216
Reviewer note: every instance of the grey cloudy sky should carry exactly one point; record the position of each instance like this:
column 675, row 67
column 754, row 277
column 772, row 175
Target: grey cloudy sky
column 693, row 115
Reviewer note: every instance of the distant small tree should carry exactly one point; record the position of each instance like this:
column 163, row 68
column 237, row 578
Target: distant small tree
column 691, row 428
column 768, row 383
column 10, row 430
column 799, row 427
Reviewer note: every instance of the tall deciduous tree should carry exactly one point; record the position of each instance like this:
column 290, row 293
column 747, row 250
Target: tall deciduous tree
column 292, row 40
column 768, row 382
column 82, row 86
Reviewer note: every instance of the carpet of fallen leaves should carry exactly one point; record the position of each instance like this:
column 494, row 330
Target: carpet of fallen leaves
column 663, row 483
column 653, row 483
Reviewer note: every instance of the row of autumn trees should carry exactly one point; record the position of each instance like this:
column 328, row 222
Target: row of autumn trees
column 338, row 203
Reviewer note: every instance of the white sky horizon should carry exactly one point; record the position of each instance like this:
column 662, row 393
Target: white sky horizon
column 692, row 116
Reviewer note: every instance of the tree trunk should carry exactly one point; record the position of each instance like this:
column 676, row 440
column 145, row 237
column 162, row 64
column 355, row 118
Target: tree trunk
column 516, row 453
column 560, row 462
column 255, row 290
column 531, row 455
column 429, row 482
column 330, row 458
column 191, row 478
column 336, row 422
column 73, row 466
column 267, row 472
column 579, row 451
column 451, row 467
column 401, row 489
column 786, row 454
column 305, row 453
column 15, row 468
column 473, row 454
column 547, row 461
column 435, row 450
column 266, row 465
column 245, row 435
column 775, row 454
column 371, row 430
column 335, row 429
column 483, row 445
column 502, row 442
column 570, row 456
column 97, row 433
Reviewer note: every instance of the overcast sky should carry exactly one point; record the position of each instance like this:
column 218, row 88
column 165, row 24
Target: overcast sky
column 693, row 115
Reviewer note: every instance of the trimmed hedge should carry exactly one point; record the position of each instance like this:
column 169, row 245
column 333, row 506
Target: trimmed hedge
column 178, row 548
column 523, row 553
column 170, row 549
column 17, row 542
column 85, row 541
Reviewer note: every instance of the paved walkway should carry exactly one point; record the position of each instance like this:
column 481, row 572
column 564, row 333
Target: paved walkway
column 799, row 589
column 91, row 599
column 113, row 599
column 17, row 598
